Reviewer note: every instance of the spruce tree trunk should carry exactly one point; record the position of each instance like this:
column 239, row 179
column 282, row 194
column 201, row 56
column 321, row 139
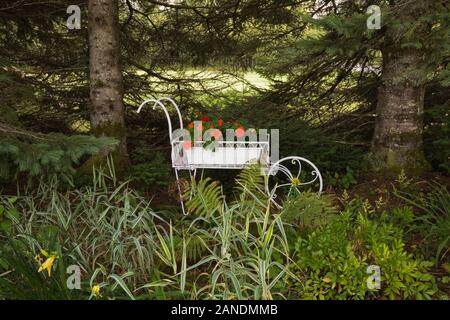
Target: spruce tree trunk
column 106, row 83
column 397, row 141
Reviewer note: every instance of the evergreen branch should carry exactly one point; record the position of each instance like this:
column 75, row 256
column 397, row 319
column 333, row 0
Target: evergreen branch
column 14, row 131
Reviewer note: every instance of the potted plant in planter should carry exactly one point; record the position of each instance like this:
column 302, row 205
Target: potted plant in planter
column 217, row 142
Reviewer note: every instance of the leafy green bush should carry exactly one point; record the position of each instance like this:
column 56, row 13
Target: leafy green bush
column 308, row 210
column 344, row 180
column 335, row 259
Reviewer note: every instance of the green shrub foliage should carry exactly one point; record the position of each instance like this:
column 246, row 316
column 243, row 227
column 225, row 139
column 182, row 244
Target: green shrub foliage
column 336, row 260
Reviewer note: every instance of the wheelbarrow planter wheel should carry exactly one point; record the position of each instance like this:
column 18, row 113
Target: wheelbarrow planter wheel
column 290, row 176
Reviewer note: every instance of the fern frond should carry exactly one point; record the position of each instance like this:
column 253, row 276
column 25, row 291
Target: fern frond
column 250, row 180
column 207, row 197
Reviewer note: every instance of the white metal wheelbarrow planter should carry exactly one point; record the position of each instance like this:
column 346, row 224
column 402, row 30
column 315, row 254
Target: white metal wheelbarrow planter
column 285, row 176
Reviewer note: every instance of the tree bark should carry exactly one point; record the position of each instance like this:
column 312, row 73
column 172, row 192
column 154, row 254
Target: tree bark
column 106, row 82
column 397, row 143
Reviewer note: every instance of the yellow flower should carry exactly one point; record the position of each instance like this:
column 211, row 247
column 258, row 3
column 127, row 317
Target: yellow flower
column 95, row 291
column 295, row 181
column 48, row 264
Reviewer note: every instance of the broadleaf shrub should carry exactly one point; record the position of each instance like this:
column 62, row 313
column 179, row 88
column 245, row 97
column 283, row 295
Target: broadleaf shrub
column 336, row 258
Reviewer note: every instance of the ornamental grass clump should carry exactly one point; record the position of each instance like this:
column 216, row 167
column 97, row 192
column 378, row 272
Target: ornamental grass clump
column 226, row 249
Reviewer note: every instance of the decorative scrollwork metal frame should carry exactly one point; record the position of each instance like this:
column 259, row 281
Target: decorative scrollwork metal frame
column 294, row 181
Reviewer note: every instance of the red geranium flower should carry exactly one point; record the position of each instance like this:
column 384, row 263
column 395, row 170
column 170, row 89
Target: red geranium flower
column 211, row 127
column 240, row 132
column 191, row 125
column 187, row 144
column 205, row 119
column 217, row 134
column 220, row 122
